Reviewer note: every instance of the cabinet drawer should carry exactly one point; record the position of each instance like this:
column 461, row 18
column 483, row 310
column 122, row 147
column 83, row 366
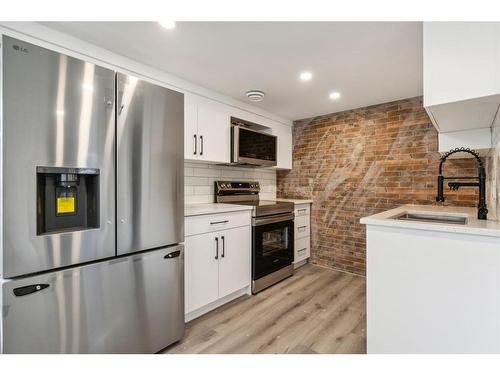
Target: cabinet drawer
column 302, row 249
column 302, row 226
column 302, row 209
column 216, row 222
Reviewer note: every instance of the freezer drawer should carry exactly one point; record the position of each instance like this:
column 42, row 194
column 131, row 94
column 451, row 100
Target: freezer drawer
column 150, row 165
column 133, row 304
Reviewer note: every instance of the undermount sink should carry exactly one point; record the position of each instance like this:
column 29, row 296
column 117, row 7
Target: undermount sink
column 432, row 218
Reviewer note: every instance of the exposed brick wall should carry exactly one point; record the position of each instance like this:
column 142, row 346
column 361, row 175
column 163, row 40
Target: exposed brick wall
column 360, row 162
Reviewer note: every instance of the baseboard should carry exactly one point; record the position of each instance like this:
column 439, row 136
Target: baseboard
column 300, row 263
column 212, row 306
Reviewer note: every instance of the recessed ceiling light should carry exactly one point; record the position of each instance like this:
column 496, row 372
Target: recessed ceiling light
column 255, row 95
column 334, row 95
column 306, row 76
column 169, row 25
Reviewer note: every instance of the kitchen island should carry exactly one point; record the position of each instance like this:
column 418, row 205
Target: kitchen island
column 433, row 281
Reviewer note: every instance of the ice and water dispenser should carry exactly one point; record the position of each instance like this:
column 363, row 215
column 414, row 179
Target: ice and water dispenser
column 67, row 199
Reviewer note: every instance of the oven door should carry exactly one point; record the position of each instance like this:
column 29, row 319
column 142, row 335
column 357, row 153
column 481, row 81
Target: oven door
column 272, row 244
column 253, row 147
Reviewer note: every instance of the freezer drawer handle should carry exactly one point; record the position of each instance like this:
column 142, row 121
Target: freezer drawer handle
column 28, row 289
column 173, row 254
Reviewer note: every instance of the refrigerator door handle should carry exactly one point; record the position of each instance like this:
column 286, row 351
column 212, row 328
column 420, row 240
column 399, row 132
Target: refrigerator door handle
column 28, row 289
column 173, row 254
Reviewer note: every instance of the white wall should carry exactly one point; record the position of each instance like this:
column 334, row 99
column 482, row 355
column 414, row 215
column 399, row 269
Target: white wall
column 200, row 178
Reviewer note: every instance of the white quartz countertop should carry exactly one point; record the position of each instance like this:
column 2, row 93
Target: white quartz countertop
column 473, row 225
column 212, row 208
column 296, row 201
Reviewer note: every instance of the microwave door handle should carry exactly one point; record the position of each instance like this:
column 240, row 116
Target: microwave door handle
column 235, row 142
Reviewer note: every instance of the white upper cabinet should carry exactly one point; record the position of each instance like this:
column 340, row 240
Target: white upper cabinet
column 461, row 74
column 206, row 130
column 285, row 145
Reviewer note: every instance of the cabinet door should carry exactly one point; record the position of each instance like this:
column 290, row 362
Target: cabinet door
column 234, row 264
column 285, row 146
column 213, row 131
column 201, row 270
column 191, row 149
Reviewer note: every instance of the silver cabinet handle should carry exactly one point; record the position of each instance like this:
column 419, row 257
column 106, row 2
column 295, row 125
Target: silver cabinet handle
column 219, row 222
column 302, row 228
column 216, row 248
column 304, row 249
column 195, row 145
column 223, row 246
column 201, row 145
column 302, row 210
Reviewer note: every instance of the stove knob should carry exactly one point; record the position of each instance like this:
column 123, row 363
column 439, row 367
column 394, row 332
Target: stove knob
column 223, row 186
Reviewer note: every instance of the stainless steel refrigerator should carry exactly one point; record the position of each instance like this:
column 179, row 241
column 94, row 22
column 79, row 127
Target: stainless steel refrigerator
column 92, row 207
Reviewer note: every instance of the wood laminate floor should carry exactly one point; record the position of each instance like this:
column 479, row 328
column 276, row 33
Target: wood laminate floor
column 317, row 310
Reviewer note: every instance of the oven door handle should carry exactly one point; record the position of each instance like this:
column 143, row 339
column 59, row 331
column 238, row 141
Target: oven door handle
column 272, row 219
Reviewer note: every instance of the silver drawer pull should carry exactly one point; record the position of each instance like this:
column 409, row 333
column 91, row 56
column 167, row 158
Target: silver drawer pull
column 302, row 210
column 303, row 226
column 219, row 222
column 301, row 250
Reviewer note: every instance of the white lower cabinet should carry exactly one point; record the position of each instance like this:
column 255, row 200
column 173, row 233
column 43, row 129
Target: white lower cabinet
column 302, row 234
column 235, row 260
column 201, row 271
column 302, row 249
column 217, row 263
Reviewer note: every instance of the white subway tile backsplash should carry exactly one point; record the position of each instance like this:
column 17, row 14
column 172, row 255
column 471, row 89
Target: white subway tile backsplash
column 199, row 180
column 207, row 172
column 203, row 190
column 195, row 181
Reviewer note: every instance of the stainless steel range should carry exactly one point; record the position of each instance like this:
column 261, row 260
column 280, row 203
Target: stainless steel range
column 272, row 232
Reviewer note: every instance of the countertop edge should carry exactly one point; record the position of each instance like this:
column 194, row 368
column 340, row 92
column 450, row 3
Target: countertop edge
column 213, row 208
column 296, row 201
column 384, row 219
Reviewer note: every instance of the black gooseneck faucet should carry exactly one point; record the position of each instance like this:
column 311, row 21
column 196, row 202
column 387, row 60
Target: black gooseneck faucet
column 482, row 211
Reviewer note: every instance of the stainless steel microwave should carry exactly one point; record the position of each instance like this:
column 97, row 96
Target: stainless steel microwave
column 252, row 147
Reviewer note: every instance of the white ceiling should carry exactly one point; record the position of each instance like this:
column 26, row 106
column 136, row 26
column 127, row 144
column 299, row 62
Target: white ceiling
column 367, row 62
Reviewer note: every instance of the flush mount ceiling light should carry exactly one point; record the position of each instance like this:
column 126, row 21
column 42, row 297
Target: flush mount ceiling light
column 305, row 76
column 255, row 95
column 169, row 25
column 334, row 95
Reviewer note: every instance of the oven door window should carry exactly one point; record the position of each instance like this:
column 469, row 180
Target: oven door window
column 272, row 248
column 253, row 145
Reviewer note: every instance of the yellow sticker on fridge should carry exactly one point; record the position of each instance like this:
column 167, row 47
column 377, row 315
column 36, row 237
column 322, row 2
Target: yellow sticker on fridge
column 65, row 205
